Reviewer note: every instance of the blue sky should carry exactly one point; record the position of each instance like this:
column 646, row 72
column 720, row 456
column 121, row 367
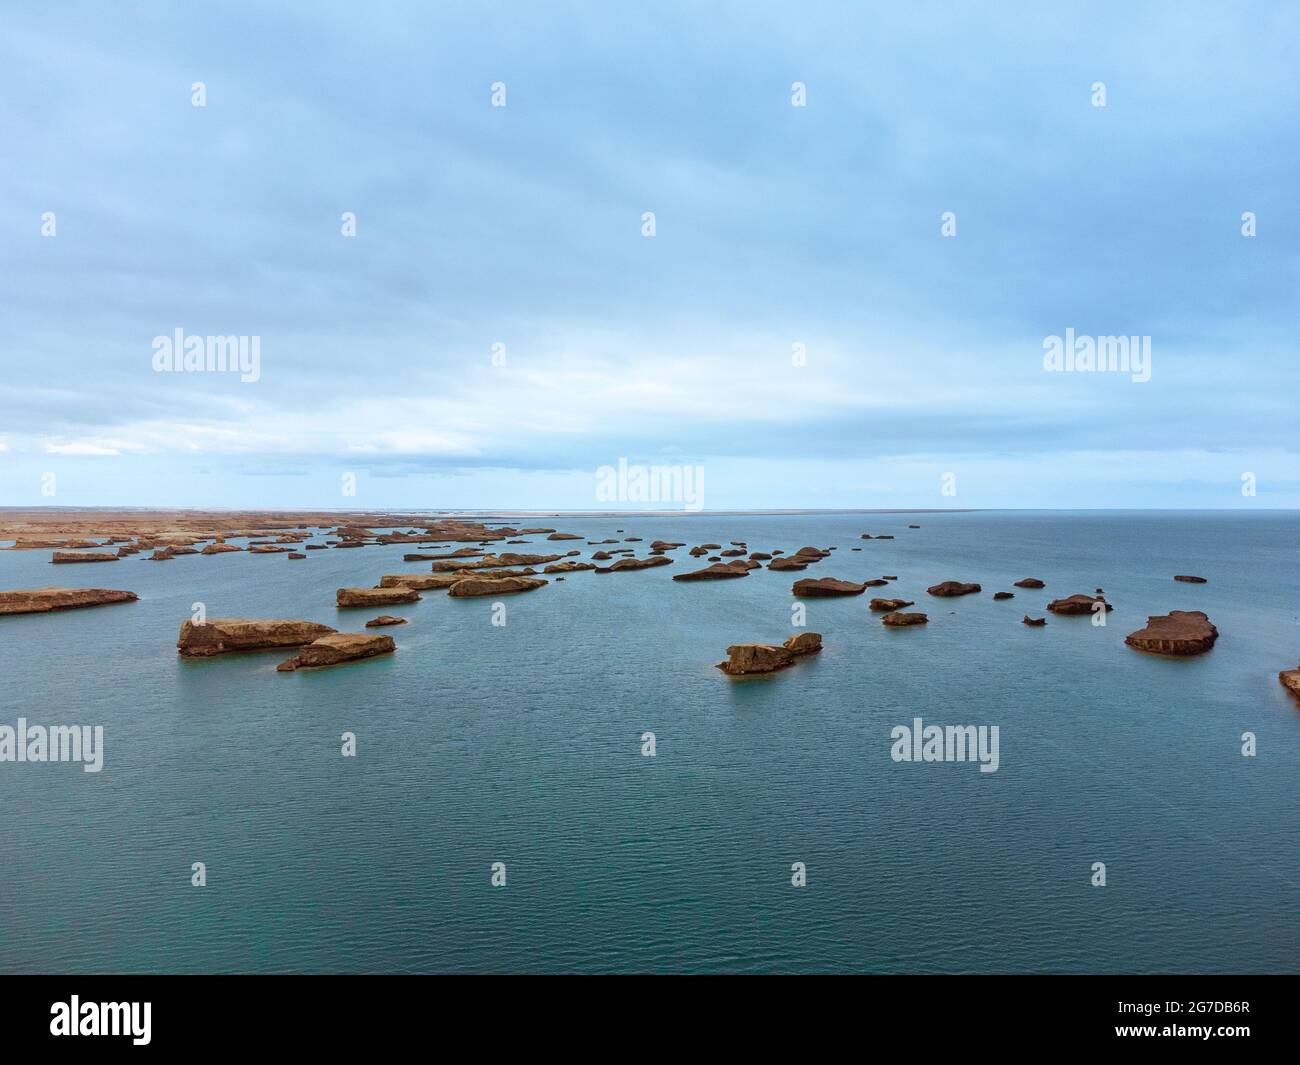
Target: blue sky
column 775, row 225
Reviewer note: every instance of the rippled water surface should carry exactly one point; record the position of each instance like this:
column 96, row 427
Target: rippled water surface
column 521, row 744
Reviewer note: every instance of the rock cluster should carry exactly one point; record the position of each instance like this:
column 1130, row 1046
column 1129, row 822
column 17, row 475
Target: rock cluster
column 744, row 659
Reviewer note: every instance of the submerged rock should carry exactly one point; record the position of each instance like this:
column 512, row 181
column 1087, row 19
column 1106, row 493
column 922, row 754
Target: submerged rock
column 1186, row 579
column 351, row 597
column 951, row 589
column 43, row 600
column 338, row 648
column 1004, row 595
column 565, row 536
column 1035, row 622
column 1180, row 632
column 223, row 635
column 384, row 619
column 1030, row 582
column 823, row 587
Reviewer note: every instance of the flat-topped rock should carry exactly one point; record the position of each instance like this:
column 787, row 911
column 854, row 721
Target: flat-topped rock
column 999, row 596
column 384, row 619
column 564, row 536
column 790, row 562
column 568, row 567
column 719, row 571
column 1290, row 679
column 224, row 635
column 1188, row 579
column 897, row 620
column 1034, row 622
column 220, row 548
column 43, row 600
column 744, row 659
column 477, row 586
column 1180, row 632
column 352, row 597
column 635, row 563
column 1030, row 582
column 338, row 648
column 824, row 587
column 951, row 589
column 1078, row 604
column 65, row 557
column 889, row 605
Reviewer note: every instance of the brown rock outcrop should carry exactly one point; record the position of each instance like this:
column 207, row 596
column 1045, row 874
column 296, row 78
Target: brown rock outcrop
column 902, row 620
column 719, row 571
column 951, row 589
column 564, row 536
column 1187, row 579
column 1290, row 679
column 225, row 635
column 1030, row 582
column 1004, row 595
column 567, row 567
column 787, row 563
column 1035, row 622
column 823, row 587
column 337, row 648
column 889, row 605
column 479, row 586
column 219, row 549
column 43, row 600
column 1077, row 604
column 744, row 659
column 384, row 619
column 635, row 563
column 353, row 597
column 1180, row 632
column 64, row 557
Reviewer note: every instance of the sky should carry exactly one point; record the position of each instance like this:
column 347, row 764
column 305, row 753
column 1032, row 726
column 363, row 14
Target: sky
column 799, row 330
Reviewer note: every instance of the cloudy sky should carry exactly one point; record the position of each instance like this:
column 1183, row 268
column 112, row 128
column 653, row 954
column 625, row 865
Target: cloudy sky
column 775, row 226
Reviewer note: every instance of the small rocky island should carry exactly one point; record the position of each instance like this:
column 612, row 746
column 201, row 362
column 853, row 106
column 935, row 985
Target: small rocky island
column 1180, row 632
column 744, row 659
column 336, row 649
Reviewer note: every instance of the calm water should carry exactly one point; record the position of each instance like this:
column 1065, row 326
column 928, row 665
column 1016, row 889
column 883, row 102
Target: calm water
column 521, row 744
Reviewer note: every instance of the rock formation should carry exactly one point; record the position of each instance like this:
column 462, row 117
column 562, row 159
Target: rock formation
column 889, row 605
column 951, row 589
column 1030, row 582
column 896, row 620
column 63, row 557
column 822, row 587
column 1035, row 622
column 478, row 586
column 748, row 658
column 352, row 597
column 43, row 600
column 1186, row 579
column 717, row 572
column 1077, row 604
column 384, row 619
column 223, row 635
column 337, row 648
column 1180, row 632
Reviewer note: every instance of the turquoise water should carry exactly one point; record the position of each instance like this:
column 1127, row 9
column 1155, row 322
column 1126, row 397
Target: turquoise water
column 521, row 744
